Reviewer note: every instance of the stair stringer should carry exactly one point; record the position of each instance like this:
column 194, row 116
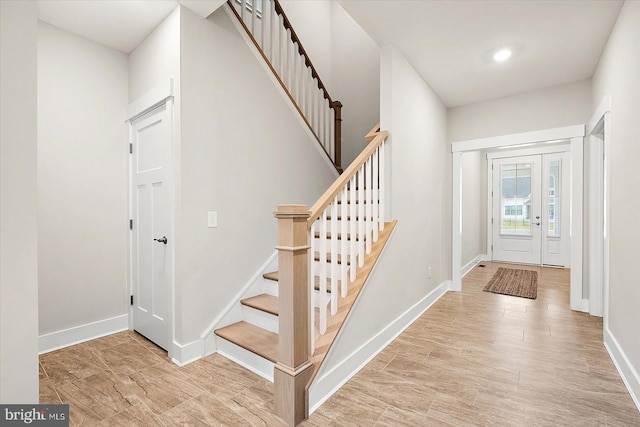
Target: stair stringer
column 334, row 331
column 233, row 312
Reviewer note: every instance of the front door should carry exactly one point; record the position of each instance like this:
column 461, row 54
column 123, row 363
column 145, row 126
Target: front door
column 151, row 231
column 530, row 218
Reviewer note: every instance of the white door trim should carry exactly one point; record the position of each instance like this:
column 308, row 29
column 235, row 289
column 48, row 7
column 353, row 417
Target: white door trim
column 147, row 102
column 599, row 125
column 576, row 135
column 161, row 93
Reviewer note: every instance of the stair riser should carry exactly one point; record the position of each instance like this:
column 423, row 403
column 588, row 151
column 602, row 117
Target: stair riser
column 270, row 287
column 249, row 360
column 260, row 318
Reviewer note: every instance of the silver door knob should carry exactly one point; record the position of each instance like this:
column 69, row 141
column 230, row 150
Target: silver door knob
column 163, row 239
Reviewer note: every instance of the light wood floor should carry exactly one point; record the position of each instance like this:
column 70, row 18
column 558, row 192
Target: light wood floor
column 474, row 358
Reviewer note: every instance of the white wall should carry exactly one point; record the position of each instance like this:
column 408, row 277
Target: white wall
column 420, row 166
column 355, row 80
column 243, row 152
column 558, row 106
column 474, row 202
column 18, row 209
column 156, row 58
column 82, row 176
column 618, row 74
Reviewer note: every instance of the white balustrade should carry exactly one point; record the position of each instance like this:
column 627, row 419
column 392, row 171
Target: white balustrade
column 344, row 232
column 267, row 26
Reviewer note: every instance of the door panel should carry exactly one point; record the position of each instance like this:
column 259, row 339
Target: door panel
column 151, row 213
column 555, row 210
column 516, row 231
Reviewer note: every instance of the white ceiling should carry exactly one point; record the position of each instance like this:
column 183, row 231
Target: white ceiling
column 118, row 24
column 450, row 42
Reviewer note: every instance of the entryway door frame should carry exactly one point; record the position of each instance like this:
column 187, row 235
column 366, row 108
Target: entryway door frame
column 161, row 94
column 561, row 148
column 599, row 134
column 576, row 135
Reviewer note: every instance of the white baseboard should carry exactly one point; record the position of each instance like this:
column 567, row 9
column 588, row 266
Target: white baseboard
column 485, row 257
column 585, row 305
column 187, row 353
column 623, row 365
column 326, row 385
column 469, row 266
column 82, row 333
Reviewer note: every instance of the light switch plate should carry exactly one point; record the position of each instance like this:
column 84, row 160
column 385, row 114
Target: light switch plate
column 212, row 219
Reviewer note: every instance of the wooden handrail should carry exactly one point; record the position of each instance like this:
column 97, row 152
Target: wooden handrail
column 343, row 179
column 372, row 133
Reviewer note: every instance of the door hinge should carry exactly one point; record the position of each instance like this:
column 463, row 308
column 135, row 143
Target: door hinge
column 130, row 148
column 491, row 220
column 131, row 299
column 491, row 251
column 130, row 224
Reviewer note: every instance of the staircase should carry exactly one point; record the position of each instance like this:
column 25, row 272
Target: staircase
column 284, row 322
column 325, row 257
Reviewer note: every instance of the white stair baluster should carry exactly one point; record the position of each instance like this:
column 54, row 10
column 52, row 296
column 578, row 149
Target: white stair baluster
column 253, row 18
column 381, row 185
column 321, row 119
column 368, row 203
column 361, row 217
column 322, row 248
column 374, row 196
column 332, row 132
column 334, row 256
column 344, row 211
column 243, row 6
column 281, row 40
column 312, row 290
column 262, row 25
column 288, row 61
column 273, row 17
column 352, row 227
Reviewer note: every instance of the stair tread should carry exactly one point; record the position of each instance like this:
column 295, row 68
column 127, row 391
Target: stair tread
column 252, row 338
column 274, row 276
column 264, row 302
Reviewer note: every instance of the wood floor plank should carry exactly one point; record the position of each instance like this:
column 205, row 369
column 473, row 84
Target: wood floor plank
column 460, row 363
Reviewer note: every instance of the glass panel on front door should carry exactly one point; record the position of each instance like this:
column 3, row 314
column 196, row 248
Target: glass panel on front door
column 515, row 199
column 553, row 229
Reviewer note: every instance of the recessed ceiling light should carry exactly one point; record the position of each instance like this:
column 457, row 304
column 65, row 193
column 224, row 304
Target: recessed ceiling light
column 502, row 55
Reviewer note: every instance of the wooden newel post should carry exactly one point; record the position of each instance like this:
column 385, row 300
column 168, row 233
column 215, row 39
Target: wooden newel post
column 293, row 369
column 337, row 130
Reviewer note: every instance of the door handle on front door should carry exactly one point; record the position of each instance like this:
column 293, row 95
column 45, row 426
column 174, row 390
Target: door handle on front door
column 163, row 239
column 537, row 223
